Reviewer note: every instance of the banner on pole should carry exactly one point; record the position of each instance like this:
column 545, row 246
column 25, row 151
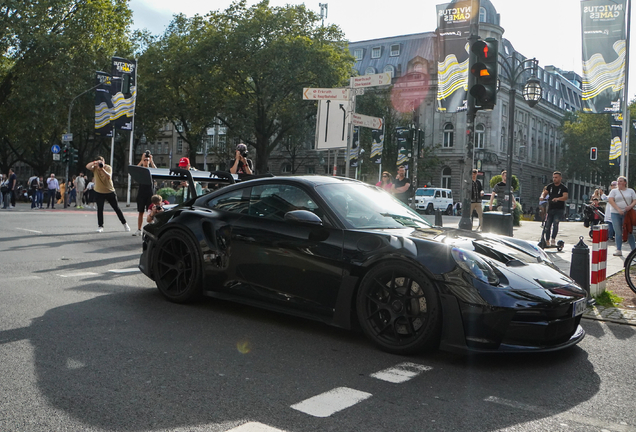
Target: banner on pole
column 453, row 29
column 616, row 146
column 354, row 153
column 603, row 27
column 103, row 105
column 123, row 109
column 377, row 145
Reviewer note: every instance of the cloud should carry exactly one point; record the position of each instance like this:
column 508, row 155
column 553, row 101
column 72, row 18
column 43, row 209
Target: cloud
column 149, row 17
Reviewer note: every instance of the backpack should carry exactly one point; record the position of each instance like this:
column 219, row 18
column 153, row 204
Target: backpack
column 34, row 183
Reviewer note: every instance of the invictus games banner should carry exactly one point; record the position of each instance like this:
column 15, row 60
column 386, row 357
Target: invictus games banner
column 453, row 29
column 603, row 26
column 123, row 107
column 616, row 145
column 354, row 152
column 103, row 105
column 377, row 145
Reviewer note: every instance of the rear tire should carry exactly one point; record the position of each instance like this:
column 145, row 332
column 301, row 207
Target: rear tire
column 429, row 209
column 449, row 210
column 177, row 267
column 398, row 308
column 630, row 269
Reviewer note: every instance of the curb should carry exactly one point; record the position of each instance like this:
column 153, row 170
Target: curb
column 611, row 314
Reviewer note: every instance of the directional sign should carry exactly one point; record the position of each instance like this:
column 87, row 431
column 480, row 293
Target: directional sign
column 371, row 80
column 55, row 149
column 56, row 156
column 67, row 137
column 332, row 124
column 367, row 121
column 325, row 94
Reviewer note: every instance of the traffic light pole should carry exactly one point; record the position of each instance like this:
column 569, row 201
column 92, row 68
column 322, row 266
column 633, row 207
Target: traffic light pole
column 467, row 181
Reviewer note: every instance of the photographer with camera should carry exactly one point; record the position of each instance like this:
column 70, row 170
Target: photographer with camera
column 156, row 207
column 105, row 191
column 241, row 164
column 144, row 193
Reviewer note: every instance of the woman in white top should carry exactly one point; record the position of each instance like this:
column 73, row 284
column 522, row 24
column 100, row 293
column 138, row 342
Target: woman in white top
column 622, row 199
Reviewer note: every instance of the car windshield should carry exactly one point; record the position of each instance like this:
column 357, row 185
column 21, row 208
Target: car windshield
column 424, row 192
column 364, row 207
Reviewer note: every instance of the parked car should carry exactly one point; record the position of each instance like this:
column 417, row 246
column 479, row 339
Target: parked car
column 429, row 199
column 348, row 254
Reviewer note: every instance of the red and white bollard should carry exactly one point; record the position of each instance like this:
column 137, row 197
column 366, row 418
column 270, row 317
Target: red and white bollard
column 599, row 259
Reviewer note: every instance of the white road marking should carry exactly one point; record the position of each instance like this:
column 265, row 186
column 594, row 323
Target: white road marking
column 254, row 427
column 74, row 364
column 28, row 230
column 401, row 373
column 78, row 274
column 326, row 404
column 572, row 417
column 126, row 270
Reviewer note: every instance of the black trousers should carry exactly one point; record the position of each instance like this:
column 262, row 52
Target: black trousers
column 112, row 200
column 52, row 199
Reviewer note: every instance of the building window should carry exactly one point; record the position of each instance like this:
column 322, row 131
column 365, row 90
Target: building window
column 502, row 144
column 480, row 134
column 376, row 52
column 369, row 71
column 446, row 178
column 310, row 169
column 395, row 50
column 449, row 133
column 390, row 69
column 482, row 15
column 358, row 53
column 286, row 168
column 180, row 146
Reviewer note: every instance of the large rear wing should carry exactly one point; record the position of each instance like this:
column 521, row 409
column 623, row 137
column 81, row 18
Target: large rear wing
column 146, row 176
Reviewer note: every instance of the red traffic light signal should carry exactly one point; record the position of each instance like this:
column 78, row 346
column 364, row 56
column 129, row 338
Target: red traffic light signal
column 485, row 69
column 593, row 153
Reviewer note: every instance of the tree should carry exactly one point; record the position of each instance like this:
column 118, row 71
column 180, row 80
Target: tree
column 265, row 57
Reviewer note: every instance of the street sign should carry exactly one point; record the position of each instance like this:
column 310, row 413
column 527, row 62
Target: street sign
column 56, row 156
column 367, row 121
column 371, row 80
column 325, row 94
column 67, row 137
column 332, row 124
column 55, row 149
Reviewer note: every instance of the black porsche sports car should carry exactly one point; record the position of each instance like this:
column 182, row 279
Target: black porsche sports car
column 348, row 254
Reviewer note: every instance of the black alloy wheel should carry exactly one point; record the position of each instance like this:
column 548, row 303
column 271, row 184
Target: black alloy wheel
column 177, row 267
column 430, row 210
column 398, row 308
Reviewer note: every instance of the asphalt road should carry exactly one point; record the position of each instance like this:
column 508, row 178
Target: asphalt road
column 88, row 344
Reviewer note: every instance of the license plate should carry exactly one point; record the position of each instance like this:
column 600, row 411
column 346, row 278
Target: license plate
column 578, row 307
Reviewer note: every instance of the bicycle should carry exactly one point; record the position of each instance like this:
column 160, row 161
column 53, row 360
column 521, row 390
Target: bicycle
column 630, row 269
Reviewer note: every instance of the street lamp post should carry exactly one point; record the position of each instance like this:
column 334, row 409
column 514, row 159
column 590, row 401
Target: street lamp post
column 515, row 67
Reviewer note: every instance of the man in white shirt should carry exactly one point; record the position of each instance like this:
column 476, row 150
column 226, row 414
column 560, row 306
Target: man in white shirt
column 53, row 187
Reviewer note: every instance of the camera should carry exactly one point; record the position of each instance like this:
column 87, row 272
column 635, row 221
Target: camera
column 100, row 164
column 147, row 153
column 244, row 154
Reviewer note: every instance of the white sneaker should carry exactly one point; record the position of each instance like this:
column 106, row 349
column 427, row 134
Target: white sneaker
column 618, row 253
column 100, row 229
column 126, row 227
column 137, row 233
column 553, row 242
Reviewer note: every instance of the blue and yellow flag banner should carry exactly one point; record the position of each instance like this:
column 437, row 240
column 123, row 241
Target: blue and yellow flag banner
column 616, row 146
column 123, row 109
column 377, row 145
column 103, row 105
column 354, row 152
column 453, row 29
column 603, row 27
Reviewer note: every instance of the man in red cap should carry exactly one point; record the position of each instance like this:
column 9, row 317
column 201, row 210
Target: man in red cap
column 184, row 163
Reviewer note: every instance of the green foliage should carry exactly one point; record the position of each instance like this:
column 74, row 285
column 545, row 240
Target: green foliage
column 166, row 192
column 496, row 179
column 608, row 299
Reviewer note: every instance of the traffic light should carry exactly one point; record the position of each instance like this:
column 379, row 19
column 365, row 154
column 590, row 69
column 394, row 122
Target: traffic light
column 74, row 155
column 404, row 140
column 125, row 84
column 593, row 153
column 485, row 69
column 65, row 154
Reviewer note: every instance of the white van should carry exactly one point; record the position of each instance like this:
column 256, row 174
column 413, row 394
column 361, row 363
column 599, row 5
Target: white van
column 429, row 199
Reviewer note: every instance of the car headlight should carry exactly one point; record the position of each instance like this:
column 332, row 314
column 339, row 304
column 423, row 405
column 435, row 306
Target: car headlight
column 475, row 265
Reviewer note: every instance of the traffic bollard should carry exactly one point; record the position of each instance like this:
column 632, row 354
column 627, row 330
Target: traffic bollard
column 438, row 218
column 580, row 265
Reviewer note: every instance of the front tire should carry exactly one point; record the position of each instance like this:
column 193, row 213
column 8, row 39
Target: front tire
column 177, row 268
column 398, row 308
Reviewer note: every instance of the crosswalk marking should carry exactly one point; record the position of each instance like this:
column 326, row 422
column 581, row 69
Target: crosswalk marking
column 326, row 404
column 401, row 373
column 254, row 427
column 78, row 274
column 126, row 270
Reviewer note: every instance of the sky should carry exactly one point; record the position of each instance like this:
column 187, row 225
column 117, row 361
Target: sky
column 549, row 30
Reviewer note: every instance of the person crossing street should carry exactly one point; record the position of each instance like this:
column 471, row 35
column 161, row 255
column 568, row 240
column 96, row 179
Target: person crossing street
column 558, row 193
column 105, row 191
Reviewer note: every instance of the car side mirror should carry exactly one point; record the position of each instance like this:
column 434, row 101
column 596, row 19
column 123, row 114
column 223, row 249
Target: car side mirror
column 303, row 217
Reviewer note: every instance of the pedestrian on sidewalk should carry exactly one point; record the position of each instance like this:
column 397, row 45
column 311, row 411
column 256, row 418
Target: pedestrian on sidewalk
column 608, row 214
column 622, row 199
column 53, row 186
column 476, row 195
column 105, row 191
column 80, row 185
column 556, row 206
column 9, row 195
column 40, row 192
column 144, row 193
column 500, row 191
